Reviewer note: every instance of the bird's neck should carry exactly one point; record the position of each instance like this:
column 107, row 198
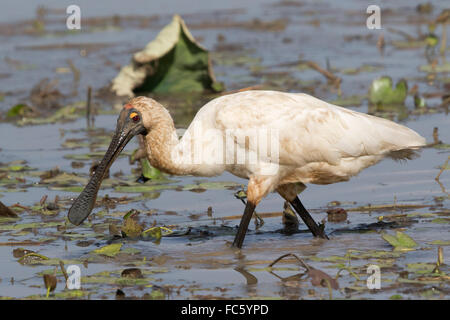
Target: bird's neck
column 161, row 145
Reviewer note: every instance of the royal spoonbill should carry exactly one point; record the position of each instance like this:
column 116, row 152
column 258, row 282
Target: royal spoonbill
column 299, row 140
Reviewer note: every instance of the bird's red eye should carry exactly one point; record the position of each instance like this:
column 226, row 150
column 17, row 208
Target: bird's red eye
column 136, row 118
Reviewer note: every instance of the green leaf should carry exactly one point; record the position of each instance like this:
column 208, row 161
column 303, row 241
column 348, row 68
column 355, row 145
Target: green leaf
column 143, row 188
column 354, row 100
column 439, row 68
column 17, row 110
column 381, row 91
column 157, row 295
column 71, row 294
column 109, row 250
column 419, row 102
column 216, row 185
column 150, row 172
column 441, row 242
column 173, row 62
column 154, row 232
column 405, row 240
column 441, row 220
column 401, row 242
column 432, row 40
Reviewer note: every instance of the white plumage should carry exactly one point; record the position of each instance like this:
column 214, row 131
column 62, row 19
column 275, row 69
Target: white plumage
column 318, row 142
column 315, row 142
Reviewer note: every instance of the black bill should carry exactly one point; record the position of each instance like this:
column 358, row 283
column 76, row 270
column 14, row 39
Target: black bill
column 125, row 130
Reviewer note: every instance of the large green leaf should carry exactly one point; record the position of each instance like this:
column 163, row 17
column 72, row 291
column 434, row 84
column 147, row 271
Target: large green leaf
column 400, row 242
column 109, row 250
column 381, row 91
column 172, row 62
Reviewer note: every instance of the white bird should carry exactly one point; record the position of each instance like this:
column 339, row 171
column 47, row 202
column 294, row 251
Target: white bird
column 300, row 140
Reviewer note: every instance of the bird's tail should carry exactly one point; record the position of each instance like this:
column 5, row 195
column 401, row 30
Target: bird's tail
column 405, row 154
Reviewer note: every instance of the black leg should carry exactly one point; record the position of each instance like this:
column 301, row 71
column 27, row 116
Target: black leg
column 243, row 226
column 316, row 230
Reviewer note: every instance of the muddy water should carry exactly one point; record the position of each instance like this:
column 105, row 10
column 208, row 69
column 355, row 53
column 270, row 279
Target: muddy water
column 201, row 264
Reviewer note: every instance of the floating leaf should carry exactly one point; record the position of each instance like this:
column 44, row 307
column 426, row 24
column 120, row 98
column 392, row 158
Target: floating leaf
column 71, row 294
column 148, row 171
column 20, row 252
column 154, row 232
column 419, row 102
column 439, row 68
column 50, row 283
column 134, row 273
column 320, row 278
column 31, row 258
column 143, row 188
column 409, row 44
column 75, row 189
column 401, row 242
column 381, row 91
column 17, row 110
column 157, row 295
column 441, row 242
column 336, row 215
column 92, row 155
column 131, row 227
column 173, row 62
column 363, row 68
column 6, row 212
column 211, row 185
column 109, row 250
column 432, row 40
column 441, row 220
column 354, row 100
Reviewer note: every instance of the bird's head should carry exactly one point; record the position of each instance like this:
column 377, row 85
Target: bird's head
column 137, row 117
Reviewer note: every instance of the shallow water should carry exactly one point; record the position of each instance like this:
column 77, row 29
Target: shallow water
column 201, row 264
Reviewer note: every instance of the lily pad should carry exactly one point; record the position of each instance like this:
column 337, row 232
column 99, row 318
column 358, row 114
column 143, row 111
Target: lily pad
column 354, row 100
column 438, row 68
column 400, row 242
column 17, row 110
column 381, row 91
column 109, row 250
column 7, row 212
column 218, row 185
column 173, row 62
column 71, row 294
column 143, row 188
column 150, row 172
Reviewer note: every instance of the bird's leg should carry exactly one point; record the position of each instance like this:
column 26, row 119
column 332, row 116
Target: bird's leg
column 241, row 195
column 316, row 230
column 257, row 188
column 289, row 192
column 243, row 226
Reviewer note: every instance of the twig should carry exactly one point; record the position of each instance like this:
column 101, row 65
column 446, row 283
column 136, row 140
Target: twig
column 442, row 169
column 17, row 205
column 308, row 268
column 76, row 76
column 444, row 39
column 63, row 270
column 436, row 135
column 43, row 199
column 88, row 107
column 333, row 79
column 402, row 33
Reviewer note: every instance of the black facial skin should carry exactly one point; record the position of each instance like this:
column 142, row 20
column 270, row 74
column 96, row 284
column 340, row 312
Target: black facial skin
column 126, row 129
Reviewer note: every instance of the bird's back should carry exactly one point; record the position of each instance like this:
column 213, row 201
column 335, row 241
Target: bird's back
column 309, row 130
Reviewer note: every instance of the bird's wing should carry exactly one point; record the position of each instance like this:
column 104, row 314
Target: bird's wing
column 309, row 129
